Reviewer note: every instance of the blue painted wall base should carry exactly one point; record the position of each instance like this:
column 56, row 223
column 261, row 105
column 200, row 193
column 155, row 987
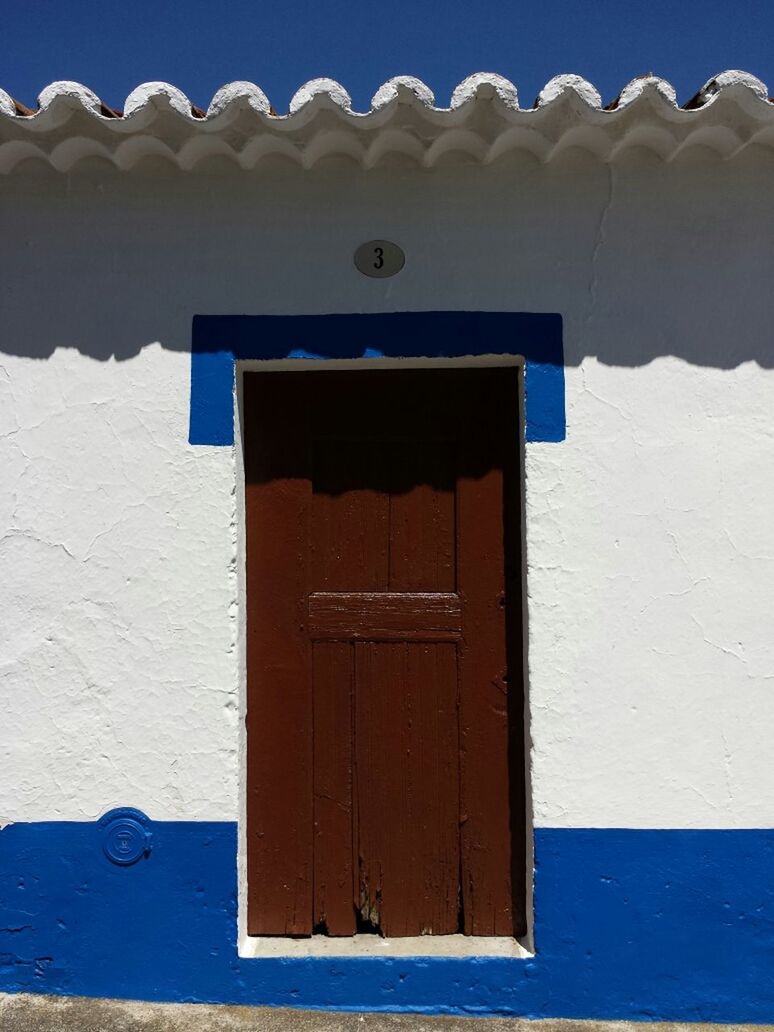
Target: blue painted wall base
column 675, row 925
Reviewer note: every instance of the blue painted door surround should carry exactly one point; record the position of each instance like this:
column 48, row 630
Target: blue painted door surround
column 221, row 340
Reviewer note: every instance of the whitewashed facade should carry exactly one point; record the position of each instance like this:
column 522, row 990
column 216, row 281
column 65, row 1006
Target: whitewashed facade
column 649, row 230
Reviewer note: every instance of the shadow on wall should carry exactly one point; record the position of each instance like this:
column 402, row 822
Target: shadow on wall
column 130, row 336
column 641, row 258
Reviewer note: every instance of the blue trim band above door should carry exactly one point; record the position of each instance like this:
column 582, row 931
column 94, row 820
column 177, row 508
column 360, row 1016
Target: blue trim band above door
column 221, row 340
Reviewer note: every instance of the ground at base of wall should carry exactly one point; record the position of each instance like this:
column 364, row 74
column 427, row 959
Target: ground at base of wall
column 32, row 1013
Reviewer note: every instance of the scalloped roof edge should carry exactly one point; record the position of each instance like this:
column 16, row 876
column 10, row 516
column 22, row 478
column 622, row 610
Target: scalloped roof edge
column 401, row 89
column 483, row 122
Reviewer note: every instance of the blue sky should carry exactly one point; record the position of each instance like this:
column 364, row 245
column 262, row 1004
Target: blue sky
column 200, row 44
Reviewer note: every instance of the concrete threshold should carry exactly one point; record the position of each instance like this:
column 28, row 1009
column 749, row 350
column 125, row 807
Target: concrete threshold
column 25, row 1012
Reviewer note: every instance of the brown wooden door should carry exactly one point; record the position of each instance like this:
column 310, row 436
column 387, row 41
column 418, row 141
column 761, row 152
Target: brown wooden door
column 385, row 702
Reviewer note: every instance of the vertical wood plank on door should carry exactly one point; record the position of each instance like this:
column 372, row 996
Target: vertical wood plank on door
column 279, row 708
column 350, row 542
column 334, row 887
column 486, row 841
column 422, row 545
column 407, row 833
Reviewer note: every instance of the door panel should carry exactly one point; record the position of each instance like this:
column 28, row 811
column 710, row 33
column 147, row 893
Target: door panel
column 385, row 703
column 422, row 503
column 349, row 536
column 408, row 816
column 483, row 714
column 384, row 616
column 333, row 772
column 279, row 712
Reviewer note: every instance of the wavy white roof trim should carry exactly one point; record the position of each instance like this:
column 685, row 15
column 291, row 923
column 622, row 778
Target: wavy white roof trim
column 327, row 89
column 485, row 85
column 235, row 95
column 566, row 85
column 647, row 85
column 731, row 80
column 75, row 94
column 483, row 122
column 157, row 95
column 405, row 89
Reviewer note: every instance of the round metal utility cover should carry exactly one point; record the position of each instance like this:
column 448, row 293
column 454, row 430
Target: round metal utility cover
column 125, row 836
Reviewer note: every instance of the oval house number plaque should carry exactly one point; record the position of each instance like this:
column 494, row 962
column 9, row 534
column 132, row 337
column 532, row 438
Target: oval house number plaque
column 379, row 258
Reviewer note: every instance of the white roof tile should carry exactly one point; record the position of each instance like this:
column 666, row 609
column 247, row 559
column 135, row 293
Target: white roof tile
column 484, row 120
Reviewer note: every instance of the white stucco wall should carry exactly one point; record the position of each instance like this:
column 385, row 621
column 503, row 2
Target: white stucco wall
column 649, row 530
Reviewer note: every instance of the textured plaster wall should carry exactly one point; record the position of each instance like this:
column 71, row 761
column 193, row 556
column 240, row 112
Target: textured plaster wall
column 650, row 538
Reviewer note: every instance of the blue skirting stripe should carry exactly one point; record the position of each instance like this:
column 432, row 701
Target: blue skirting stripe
column 674, row 925
column 218, row 341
